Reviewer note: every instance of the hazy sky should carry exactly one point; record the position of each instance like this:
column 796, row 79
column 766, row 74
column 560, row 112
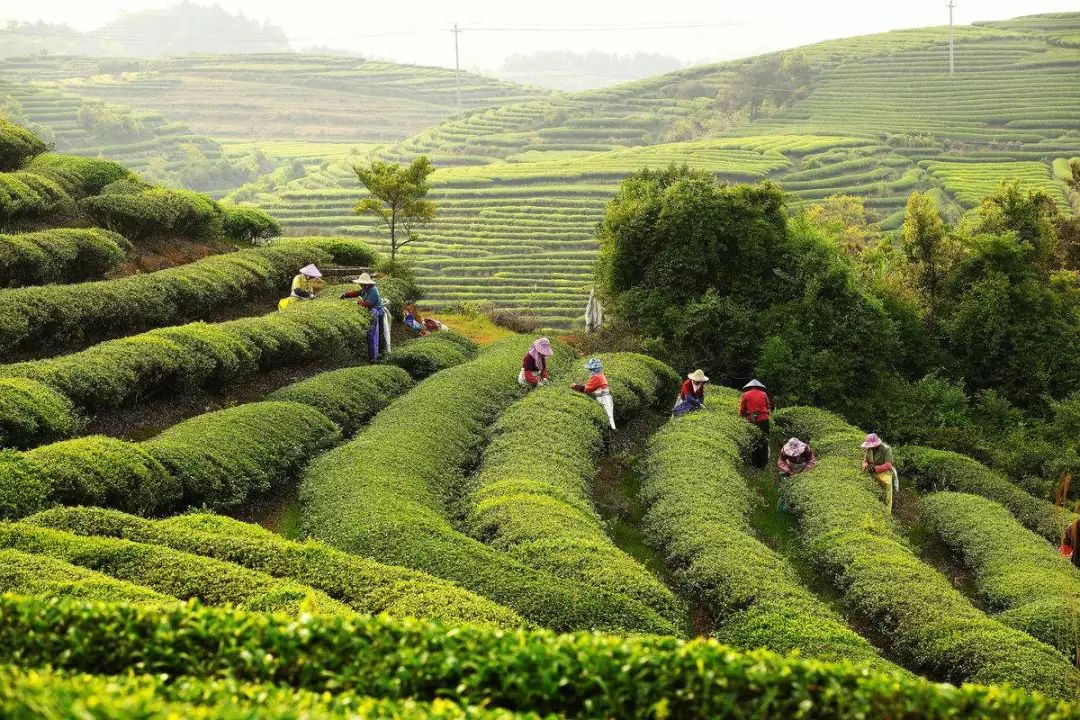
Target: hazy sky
column 691, row 30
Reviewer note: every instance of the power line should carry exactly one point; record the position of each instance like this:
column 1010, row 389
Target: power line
column 457, row 67
column 952, row 34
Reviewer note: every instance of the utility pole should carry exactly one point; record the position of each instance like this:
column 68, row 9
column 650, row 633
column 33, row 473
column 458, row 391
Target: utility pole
column 457, row 66
column 952, row 35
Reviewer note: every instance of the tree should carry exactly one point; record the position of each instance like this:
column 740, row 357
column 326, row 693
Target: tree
column 398, row 197
column 844, row 217
column 926, row 245
column 1030, row 215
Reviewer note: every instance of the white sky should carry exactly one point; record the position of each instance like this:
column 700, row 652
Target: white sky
column 418, row 31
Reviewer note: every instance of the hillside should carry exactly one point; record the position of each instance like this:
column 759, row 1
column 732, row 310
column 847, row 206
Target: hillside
column 523, row 184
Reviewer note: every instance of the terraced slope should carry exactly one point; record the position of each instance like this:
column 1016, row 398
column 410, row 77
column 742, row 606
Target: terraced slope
column 521, row 186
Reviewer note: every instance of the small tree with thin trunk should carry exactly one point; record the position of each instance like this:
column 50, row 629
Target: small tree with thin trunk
column 398, row 196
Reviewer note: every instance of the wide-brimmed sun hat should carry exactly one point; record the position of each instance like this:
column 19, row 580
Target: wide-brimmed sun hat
column 311, row 271
column 542, row 346
column 698, row 376
column 794, row 447
column 364, row 279
column 593, row 365
column 871, row 441
column 755, row 383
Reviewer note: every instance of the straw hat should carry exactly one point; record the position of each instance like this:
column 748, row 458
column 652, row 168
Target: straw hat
column 753, row 384
column 698, row 376
column 872, row 441
column 364, row 279
column 311, row 271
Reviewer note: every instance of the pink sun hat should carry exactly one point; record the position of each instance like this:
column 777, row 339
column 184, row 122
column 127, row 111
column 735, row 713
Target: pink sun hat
column 794, row 447
column 542, row 346
column 872, row 441
column 311, row 271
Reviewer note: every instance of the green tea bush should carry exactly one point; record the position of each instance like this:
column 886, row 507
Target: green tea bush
column 428, row 355
column 32, row 413
column 223, row 458
column 582, row 675
column 170, row 572
column 29, row 574
column 156, row 213
column 104, row 471
column 27, row 198
column 17, row 145
column 530, row 497
column 929, row 625
column 699, row 505
column 1017, row 574
column 79, row 176
column 934, row 470
column 382, row 496
column 59, row 256
column 366, row 586
column 350, row 396
column 63, row 317
column 247, row 225
column 23, row 487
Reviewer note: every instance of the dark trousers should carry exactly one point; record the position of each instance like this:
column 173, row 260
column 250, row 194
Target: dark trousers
column 759, row 454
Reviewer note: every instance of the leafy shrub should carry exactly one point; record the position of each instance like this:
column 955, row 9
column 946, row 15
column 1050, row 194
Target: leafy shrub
column 23, row 488
column 519, row 321
column 934, row 470
column 59, row 256
column 223, row 458
column 381, row 496
column 32, row 413
column 530, row 497
column 929, row 625
column 30, row 574
column 17, row 145
column 351, row 396
column 699, row 505
column 569, row 675
column 1016, row 573
column 79, row 176
column 169, row 571
column 428, row 355
column 99, row 470
column 62, row 317
column 157, row 213
column 27, row 198
column 247, row 225
column 364, row 585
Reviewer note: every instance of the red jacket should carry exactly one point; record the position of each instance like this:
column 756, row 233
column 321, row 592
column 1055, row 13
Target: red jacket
column 688, row 390
column 596, row 382
column 754, row 405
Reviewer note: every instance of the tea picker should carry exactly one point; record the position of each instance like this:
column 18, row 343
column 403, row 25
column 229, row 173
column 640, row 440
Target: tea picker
column 368, row 296
column 597, row 386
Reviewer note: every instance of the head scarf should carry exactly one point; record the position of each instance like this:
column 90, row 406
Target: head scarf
column 594, row 365
column 872, row 441
column 794, row 447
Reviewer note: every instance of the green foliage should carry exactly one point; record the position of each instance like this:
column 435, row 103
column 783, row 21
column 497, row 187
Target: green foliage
column 382, row 496
column 171, row 572
column 59, row 256
column 66, row 316
column 157, row 213
column 698, row 509
column 104, row 471
column 23, row 487
column 248, row 225
column 925, row 244
column 1017, row 574
column 397, row 197
column 27, row 198
column 79, row 176
column 32, row 413
column 368, row 587
column 428, row 355
column 935, row 470
column 17, row 145
column 351, row 396
column 569, row 675
column 530, row 497
column 24, row 573
column 928, row 625
column 224, row 458
column 1029, row 215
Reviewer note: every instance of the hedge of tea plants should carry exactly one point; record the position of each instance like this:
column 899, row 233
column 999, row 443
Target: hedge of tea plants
column 531, row 494
column 59, row 256
column 427, row 355
column 26, row 573
column 386, row 495
column 366, row 586
column 928, row 625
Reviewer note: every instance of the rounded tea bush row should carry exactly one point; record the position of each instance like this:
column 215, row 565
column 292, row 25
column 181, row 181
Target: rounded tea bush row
column 366, row 586
column 1017, row 573
column 24, row 573
column 530, row 497
column 59, row 256
column 930, row 626
column 582, row 675
column 67, row 316
column 383, row 495
column 699, row 505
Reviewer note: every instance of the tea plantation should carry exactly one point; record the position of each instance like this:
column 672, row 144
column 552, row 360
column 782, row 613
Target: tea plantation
column 211, row 508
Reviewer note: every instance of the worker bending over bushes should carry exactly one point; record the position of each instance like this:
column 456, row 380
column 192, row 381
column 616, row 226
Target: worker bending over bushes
column 597, row 386
column 754, row 407
column 534, row 370
column 878, row 461
column 692, row 395
column 304, row 286
column 368, row 296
